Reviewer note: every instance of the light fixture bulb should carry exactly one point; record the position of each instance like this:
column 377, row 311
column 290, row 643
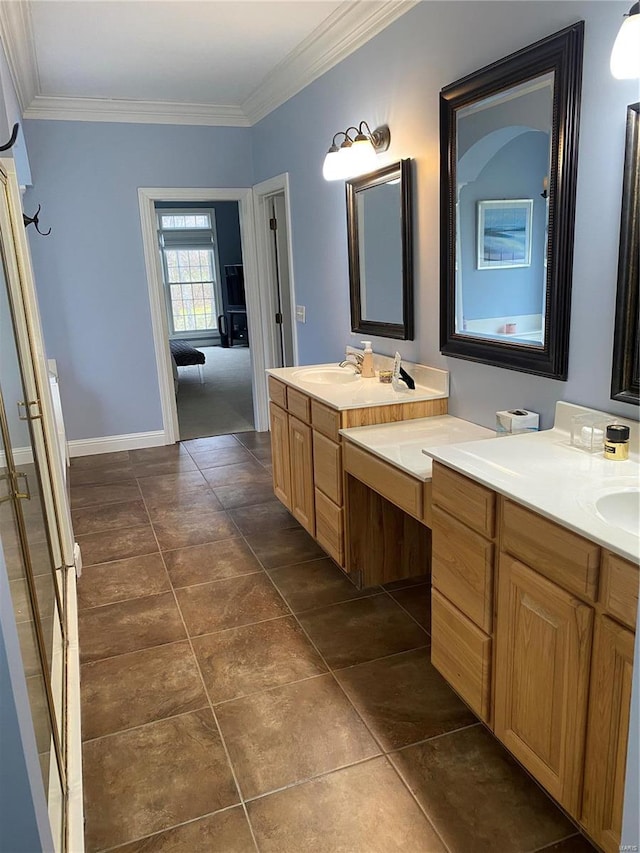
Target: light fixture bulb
column 331, row 166
column 363, row 156
column 625, row 56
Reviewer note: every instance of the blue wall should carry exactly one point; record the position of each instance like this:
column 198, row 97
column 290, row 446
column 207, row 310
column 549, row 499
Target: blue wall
column 90, row 273
column 502, row 292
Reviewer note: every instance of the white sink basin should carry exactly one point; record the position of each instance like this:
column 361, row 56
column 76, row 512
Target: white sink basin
column 621, row 509
column 327, row 375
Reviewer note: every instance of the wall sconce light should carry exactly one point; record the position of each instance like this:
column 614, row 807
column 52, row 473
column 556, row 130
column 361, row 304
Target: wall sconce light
column 357, row 155
column 625, row 56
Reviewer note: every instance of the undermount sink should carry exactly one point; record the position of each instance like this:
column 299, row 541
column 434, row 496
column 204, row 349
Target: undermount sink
column 621, row 509
column 327, row 375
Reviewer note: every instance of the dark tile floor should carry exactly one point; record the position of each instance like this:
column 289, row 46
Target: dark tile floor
column 239, row 694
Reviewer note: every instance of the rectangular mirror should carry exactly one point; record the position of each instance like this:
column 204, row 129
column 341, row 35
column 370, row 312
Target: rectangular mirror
column 625, row 378
column 508, row 149
column 379, row 234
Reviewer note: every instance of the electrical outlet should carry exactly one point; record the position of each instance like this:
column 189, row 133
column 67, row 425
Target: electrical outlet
column 301, row 314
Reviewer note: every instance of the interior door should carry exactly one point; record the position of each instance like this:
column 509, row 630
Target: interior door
column 282, row 279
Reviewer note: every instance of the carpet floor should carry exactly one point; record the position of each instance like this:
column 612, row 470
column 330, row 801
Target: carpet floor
column 223, row 404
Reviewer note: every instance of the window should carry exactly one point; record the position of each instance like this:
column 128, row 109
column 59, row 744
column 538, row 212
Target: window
column 187, row 241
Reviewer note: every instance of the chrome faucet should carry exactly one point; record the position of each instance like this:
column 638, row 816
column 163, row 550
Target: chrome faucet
column 353, row 359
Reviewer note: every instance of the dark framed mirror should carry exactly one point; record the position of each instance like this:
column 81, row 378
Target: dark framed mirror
column 508, row 166
column 625, row 374
column 379, row 234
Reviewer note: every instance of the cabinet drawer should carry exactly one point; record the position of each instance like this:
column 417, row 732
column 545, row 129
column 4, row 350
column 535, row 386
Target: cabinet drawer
column 299, row 405
column 462, row 653
column 619, row 581
column 330, row 527
column 327, row 467
column 562, row 556
column 401, row 489
column 468, row 501
column 325, row 420
column 277, row 391
column 462, row 568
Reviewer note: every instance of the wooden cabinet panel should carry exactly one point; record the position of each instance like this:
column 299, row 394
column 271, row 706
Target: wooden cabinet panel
column 427, row 504
column 543, row 651
column 465, row 499
column 280, row 454
column 462, row 653
column 327, row 467
column 330, row 527
column 399, row 488
column 299, row 405
column 393, row 412
column 558, row 553
column 325, row 420
column 302, row 491
column 462, row 568
column 619, row 588
column 277, row 392
column 608, row 733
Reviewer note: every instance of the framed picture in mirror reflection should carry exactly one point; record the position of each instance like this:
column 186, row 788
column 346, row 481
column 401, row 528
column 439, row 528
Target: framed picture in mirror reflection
column 504, row 233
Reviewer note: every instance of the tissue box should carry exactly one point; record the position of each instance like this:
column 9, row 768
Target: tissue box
column 515, row 421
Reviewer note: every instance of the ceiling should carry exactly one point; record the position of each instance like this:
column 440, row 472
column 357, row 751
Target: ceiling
column 211, row 62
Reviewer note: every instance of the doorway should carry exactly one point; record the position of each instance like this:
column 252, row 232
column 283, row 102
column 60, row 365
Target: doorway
column 255, row 360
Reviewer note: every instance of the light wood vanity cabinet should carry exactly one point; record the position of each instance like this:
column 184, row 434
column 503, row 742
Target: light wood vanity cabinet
column 280, row 455
column 302, row 489
column 534, row 629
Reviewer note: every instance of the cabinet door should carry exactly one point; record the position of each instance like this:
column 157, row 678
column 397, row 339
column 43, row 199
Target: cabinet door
column 543, row 650
column 280, row 455
column 302, row 491
column 608, row 733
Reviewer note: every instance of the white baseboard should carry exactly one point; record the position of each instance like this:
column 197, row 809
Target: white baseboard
column 112, row 443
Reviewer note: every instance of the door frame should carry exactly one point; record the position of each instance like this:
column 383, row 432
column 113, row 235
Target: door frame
column 147, row 196
column 261, row 194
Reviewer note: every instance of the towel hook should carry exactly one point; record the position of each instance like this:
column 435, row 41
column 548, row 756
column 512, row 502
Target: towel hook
column 28, row 220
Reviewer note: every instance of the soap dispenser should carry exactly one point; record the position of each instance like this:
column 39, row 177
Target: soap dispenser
column 367, row 362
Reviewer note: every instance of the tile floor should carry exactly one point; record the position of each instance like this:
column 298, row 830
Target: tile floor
column 239, row 694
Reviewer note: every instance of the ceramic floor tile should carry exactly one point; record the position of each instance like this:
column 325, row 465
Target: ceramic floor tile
column 113, row 516
column 316, row 584
column 178, row 528
column 297, row 731
column 139, row 687
column 179, row 464
column 229, row 603
column 416, row 600
column 201, row 498
column 164, row 453
column 212, row 561
column 362, row 630
column 100, row 460
column 224, row 832
column 284, row 548
column 172, row 485
column 127, row 626
column 102, row 475
column 151, row 778
column 213, row 442
column 575, row 844
column 262, row 454
column 418, row 580
column 82, row 496
column 403, row 699
column 113, row 545
column 218, row 457
column 477, row 797
column 107, row 583
column 253, row 439
column 361, row 809
column 247, row 494
column 246, row 660
column 263, row 518
column 233, row 475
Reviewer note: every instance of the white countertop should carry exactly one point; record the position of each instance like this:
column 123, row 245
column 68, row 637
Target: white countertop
column 545, row 473
column 431, row 384
column 402, row 443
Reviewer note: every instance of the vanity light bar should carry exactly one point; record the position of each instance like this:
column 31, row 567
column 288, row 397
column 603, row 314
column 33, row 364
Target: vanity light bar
column 357, row 155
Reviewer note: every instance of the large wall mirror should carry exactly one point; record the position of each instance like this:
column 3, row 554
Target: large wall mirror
column 508, row 158
column 379, row 234
column 625, row 378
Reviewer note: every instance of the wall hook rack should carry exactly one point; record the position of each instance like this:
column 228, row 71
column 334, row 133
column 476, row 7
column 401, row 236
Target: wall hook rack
column 12, row 138
column 28, row 220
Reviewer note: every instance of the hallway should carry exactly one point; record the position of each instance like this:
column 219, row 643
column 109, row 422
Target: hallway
column 239, row 694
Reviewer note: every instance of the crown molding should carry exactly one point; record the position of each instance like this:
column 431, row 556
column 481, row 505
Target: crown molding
column 134, row 112
column 16, row 33
column 342, row 33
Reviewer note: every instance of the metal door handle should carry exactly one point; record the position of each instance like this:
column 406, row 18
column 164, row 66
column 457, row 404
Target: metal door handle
column 26, row 495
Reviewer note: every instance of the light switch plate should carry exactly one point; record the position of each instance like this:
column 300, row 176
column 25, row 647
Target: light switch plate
column 301, row 313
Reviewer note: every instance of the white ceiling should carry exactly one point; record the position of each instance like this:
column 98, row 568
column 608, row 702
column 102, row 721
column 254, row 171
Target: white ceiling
column 207, row 62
